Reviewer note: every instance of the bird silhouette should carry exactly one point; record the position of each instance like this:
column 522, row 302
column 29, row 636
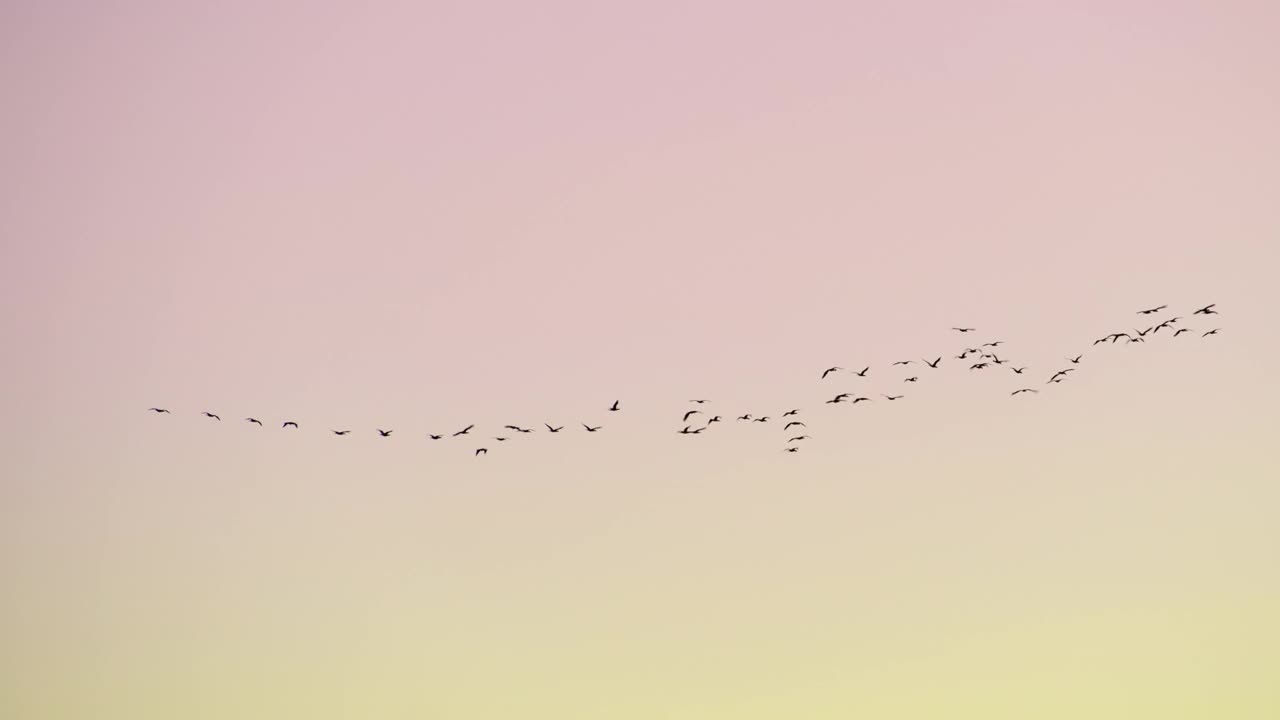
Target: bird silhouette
column 1152, row 310
column 690, row 431
column 963, row 330
column 892, row 397
column 434, row 437
column 903, row 362
column 997, row 359
column 254, row 420
column 933, row 364
column 745, row 417
column 517, row 428
column 798, row 438
column 691, row 412
column 698, row 401
column 864, row 372
column 1015, row 392
column 385, row 433
column 839, row 398
column 1075, row 359
column 1017, row 370
column 500, row 439
column 977, row 366
column 482, row 450
column 1061, row 373
column 764, row 419
column 714, row 419
column 789, row 413
column 1180, row 331
column 997, row 343
column 614, row 406
column 290, row 423
column 828, row 371
column 1207, row 310
column 591, row 429
column 911, row 379
column 341, row 432
column 464, row 430
column 1211, row 332
column 861, row 399
column 158, row 410
column 793, row 423
column 553, row 429
column 208, row 414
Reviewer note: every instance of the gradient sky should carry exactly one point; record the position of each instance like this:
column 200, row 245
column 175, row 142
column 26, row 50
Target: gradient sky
column 425, row 215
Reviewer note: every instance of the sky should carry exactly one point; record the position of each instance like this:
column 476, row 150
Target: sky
column 419, row 216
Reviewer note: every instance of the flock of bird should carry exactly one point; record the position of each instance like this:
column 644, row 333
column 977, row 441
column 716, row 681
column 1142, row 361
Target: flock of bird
column 984, row 357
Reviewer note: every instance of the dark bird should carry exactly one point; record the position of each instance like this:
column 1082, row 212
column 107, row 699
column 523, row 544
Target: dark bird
column 911, row 379
column 861, row 399
column 434, row 437
column 745, row 417
column 1181, row 330
column 1102, row 340
column 464, row 430
column 482, row 450
column 793, row 423
column 963, row 330
column 1117, row 336
column 385, row 433
column 1018, row 370
column 892, row 397
column 997, row 343
column 1075, row 359
column 970, row 351
column 1061, row 373
column 517, row 428
column 1206, row 310
column 591, row 429
column 614, row 406
column 690, row 431
column 977, row 366
column 691, row 412
column 761, row 419
column 158, row 410
column 290, row 423
column 341, row 432
column 500, row 439
column 789, row 413
column 792, row 449
column 254, row 420
column 714, row 419
column 933, row 364
column 838, row 398
column 828, row 371
column 1015, row 392
column 903, row 362
column 1142, row 333
column 963, row 355
column 799, row 438
column 864, row 372
column 698, row 401
column 1166, row 324
column 1152, row 310
column 553, row 429
column 1211, row 332
column 997, row 360
column 208, row 414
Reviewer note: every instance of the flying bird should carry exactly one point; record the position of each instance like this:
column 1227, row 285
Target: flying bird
column 903, row 362
column 789, row 413
column 517, row 428
column 838, row 398
column 1075, row 359
column 254, row 420
column 864, row 372
column 591, row 429
column 553, row 429
column 698, row 401
column 1061, row 373
column 933, row 364
column 977, row 366
column 792, row 449
column 614, row 406
column 1211, row 332
column 997, row 343
column 1152, row 310
column 793, row 423
column 434, row 437
column 385, row 433
column 799, row 438
column 1018, row 370
column 482, row 450
column 208, row 414
column 861, row 399
column 963, row 330
column 828, row 371
column 912, row 379
column 341, row 432
column 1181, row 330
column 714, row 419
column 761, row 419
column 690, row 431
column 500, row 439
column 1015, row 392
column 892, row 397
column 691, row 412
column 745, row 417
column 289, row 423
column 464, row 430
column 1206, row 310
column 158, row 410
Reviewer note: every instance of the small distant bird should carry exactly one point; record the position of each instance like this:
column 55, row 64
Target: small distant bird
column 1102, row 340
column 1142, row 333
column 385, row 433
column 963, row 355
column 434, row 437
column 864, row 372
column 745, row 417
column 159, row 410
column 977, row 366
column 761, row 419
column 1206, row 310
column 861, row 399
column 1061, row 373
column 290, row 423
column 789, row 413
column 341, row 432
column 892, row 397
column 995, row 359
column 691, row 412
column 1181, row 330
column 698, row 401
column 254, row 420
column 517, row 428
column 690, row 431
column 1075, row 359
column 838, row 398
column 714, row 419
column 799, row 438
column 963, row 330
column 1116, row 336
column 903, row 362
column 614, row 406
column 464, row 430
column 793, row 423
column 1152, row 310
column 1018, row 370
column 997, row 343
column 829, row 370
column 591, row 429
column 500, row 439
column 792, row 449
column 912, row 379
column 1211, row 332
column 482, row 450
column 1015, row 392
column 208, row 414
column 553, row 429
column 933, row 364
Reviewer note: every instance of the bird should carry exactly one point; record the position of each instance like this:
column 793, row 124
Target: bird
column 903, row 362
column 997, row 343
column 828, row 371
column 933, row 364
column 793, row 423
column 1142, row 333
column 1166, row 324
column 745, row 417
column 1211, row 332
column 614, row 406
column 761, row 419
column 691, row 412
column 1102, row 339
column 500, row 439
column 341, row 432
column 158, row 410
column 963, row 330
column 1117, row 336
column 591, row 429
column 434, row 437
column 1075, row 359
column 517, row 428
column 912, row 379
column 977, row 366
column 1015, row 392
column 1152, row 310
column 1061, row 373
column 864, row 372
column 996, row 359
column 789, row 413
column 714, row 419
column 1018, row 370
column 892, row 397
column 385, row 433
column 553, row 429
column 288, row 423
column 1181, row 330
column 963, row 355
column 798, row 438
column 464, row 430
column 208, row 414
column 792, row 449
column 697, row 401
column 861, row 399
column 839, row 397
column 690, row 431
column 482, row 450
column 254, row 420
column 1206, row 310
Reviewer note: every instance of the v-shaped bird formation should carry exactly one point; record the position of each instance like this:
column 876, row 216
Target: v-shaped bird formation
column 983, row 358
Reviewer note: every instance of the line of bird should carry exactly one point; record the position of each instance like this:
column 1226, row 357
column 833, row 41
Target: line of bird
column 985, row 353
